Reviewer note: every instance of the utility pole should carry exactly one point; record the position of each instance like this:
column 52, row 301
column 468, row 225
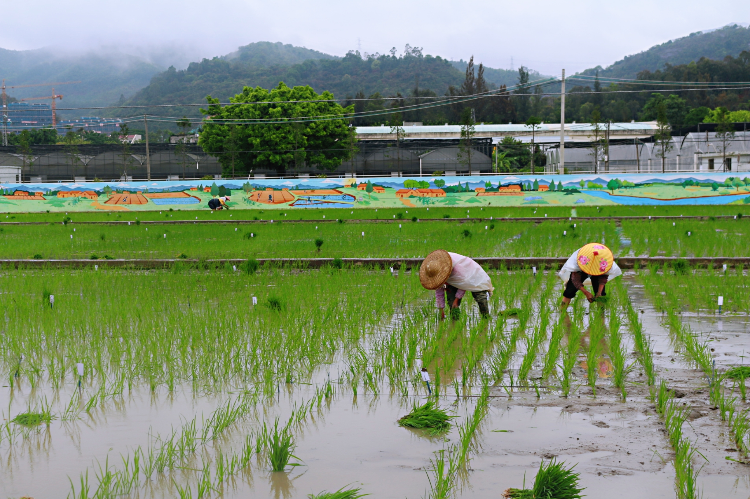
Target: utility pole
column 148, row 156
column 561, row 164
column 5, row 116
column 637, row 156
column 606, row 148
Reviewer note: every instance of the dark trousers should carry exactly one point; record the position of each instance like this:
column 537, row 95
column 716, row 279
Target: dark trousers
column 481, row 297
column 214, row 204
column 570, row 289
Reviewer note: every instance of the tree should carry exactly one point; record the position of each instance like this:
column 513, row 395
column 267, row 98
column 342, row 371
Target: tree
column 270, row 142
column 232, row 146
column 535, row 185
column 395, row 123
column 522, row 90
column 533, row 122
column 613, row 185
column 369, row 189
column 214, row 189
column 715, row 186
column 71, row 141
column 597, row 145
column 24, row 147
column 467, row 134
column 125, row 153
column 737, row 182
column 222, row 190
column 560, row 187
column 663, row 135
column 582, row 183
column 439, row 183
column 724, row 132
column 676, row 109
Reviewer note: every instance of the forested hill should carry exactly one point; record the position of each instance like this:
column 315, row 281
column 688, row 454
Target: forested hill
column 385, row 75
column 266, row 54
column 716, row 44
column 498, row 77
column 103, row 77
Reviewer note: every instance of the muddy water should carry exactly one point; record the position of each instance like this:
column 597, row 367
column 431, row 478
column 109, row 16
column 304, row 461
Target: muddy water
column 620, row 447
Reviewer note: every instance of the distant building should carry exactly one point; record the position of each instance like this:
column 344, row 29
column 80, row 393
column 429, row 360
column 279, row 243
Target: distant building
column 131, row 139
column 190, row 138
column 543, row 188
column 378, row 189
column 479, row 189
column 24, row 116
column 90, row 124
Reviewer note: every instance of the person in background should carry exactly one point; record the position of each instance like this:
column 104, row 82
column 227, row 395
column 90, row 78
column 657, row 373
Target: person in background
column 218, row 203
column 453, row 275
column 593, row 262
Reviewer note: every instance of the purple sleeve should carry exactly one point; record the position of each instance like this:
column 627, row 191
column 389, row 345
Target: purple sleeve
column 440, row 297
column 460, row 293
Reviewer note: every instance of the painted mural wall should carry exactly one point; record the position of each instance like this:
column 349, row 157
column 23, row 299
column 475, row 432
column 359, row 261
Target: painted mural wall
column 561, row 190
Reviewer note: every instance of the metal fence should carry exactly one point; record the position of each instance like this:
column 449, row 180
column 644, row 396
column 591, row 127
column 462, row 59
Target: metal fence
column 50, row 163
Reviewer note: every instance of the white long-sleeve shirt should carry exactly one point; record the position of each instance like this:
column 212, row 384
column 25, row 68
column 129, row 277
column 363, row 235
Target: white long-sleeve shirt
column 467, row 275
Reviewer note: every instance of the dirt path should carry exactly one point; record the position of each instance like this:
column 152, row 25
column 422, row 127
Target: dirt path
column 407, row 202
column 115, row 207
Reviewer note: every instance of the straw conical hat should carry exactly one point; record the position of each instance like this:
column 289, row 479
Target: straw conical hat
column 595, row 259
column 435, row 269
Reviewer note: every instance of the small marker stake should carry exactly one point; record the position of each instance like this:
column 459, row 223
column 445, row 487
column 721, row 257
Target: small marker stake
column 234, row 268
column 721, row 302
column 51, row 301
column 363, row 234
column 575, row 225
column 255, row 301
column 426, row 379
column 128, row 223
column 565, row 233
column 96, row 267
column 165, row 236
column 533, row 269
column 71, row 236
column 253, row 235
column 724, row 267
column 79, row 368
column 235, row 229
column 399, row 226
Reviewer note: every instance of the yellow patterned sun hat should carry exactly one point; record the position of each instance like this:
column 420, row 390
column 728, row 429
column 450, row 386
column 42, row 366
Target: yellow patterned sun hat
column 595, row 259
column 435, row 269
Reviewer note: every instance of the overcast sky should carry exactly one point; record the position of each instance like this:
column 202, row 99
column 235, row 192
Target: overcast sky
column 542, row 35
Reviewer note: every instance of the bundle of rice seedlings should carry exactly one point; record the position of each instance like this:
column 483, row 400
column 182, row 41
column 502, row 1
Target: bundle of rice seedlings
column 342, row 493
column 553, row 481
column 427, row 417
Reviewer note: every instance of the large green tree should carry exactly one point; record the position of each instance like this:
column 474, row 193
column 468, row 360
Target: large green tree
column 278, row 129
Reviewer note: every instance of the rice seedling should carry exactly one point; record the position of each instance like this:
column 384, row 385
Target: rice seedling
column 553, row 480
column 280, row 447
column 444, row 476
column 342, row 493
column 428, row 417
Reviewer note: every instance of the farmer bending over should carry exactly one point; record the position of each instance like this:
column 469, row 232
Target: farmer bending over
column 455, row 274
column 595, row 262
column 219, row 203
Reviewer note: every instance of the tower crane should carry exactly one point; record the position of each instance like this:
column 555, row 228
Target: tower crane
column 53, row 97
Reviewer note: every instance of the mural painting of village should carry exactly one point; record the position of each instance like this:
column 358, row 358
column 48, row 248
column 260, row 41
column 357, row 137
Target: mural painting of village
column 382, row 192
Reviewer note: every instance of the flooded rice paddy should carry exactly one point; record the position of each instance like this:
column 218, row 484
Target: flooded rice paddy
column 181, row 371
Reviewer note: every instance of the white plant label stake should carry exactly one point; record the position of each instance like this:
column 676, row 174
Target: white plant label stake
column 255, row 301
column 533, row 269
column 79, row 368
column 234, row 268
column 96, row 267
column 721, row 302
column 51, row 301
